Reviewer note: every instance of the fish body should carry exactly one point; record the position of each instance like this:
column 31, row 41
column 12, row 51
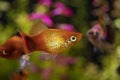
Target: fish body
column 50, row 40
column 12, row 48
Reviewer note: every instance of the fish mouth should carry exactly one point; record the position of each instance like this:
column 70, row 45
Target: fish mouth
column 67, row 43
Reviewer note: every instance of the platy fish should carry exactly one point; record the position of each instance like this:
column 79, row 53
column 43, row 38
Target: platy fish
column 12, row 48
column 53, row 41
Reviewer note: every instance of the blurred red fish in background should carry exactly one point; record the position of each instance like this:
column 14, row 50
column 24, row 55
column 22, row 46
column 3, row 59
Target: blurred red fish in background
column 53, row 41
column 12, row 48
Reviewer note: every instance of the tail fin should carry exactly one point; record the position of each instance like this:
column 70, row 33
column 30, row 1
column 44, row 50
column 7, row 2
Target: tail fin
column 28, row 43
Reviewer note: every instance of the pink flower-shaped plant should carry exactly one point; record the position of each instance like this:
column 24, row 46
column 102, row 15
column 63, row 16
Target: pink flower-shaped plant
column 61, row 9
column 45, row 2
column 44, row 17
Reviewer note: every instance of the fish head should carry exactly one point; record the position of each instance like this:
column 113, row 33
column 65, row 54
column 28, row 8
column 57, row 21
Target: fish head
column 12, row 48
column 71, row 38
column 3, row 52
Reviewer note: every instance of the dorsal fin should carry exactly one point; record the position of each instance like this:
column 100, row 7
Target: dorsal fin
column 37, row 27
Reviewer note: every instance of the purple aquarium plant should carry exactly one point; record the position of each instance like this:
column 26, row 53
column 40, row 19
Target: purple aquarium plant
column 44, row 17
column 61, row 9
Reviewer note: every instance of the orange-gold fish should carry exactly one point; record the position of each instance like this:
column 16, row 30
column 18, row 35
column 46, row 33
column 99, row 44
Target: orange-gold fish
column 49, row 40
column 12, row 48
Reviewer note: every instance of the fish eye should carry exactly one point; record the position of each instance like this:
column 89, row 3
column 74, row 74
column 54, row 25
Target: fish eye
column 73, row 38
column 4, row 52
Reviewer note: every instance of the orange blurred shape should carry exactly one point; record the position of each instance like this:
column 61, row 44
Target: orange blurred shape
column 12, row 48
